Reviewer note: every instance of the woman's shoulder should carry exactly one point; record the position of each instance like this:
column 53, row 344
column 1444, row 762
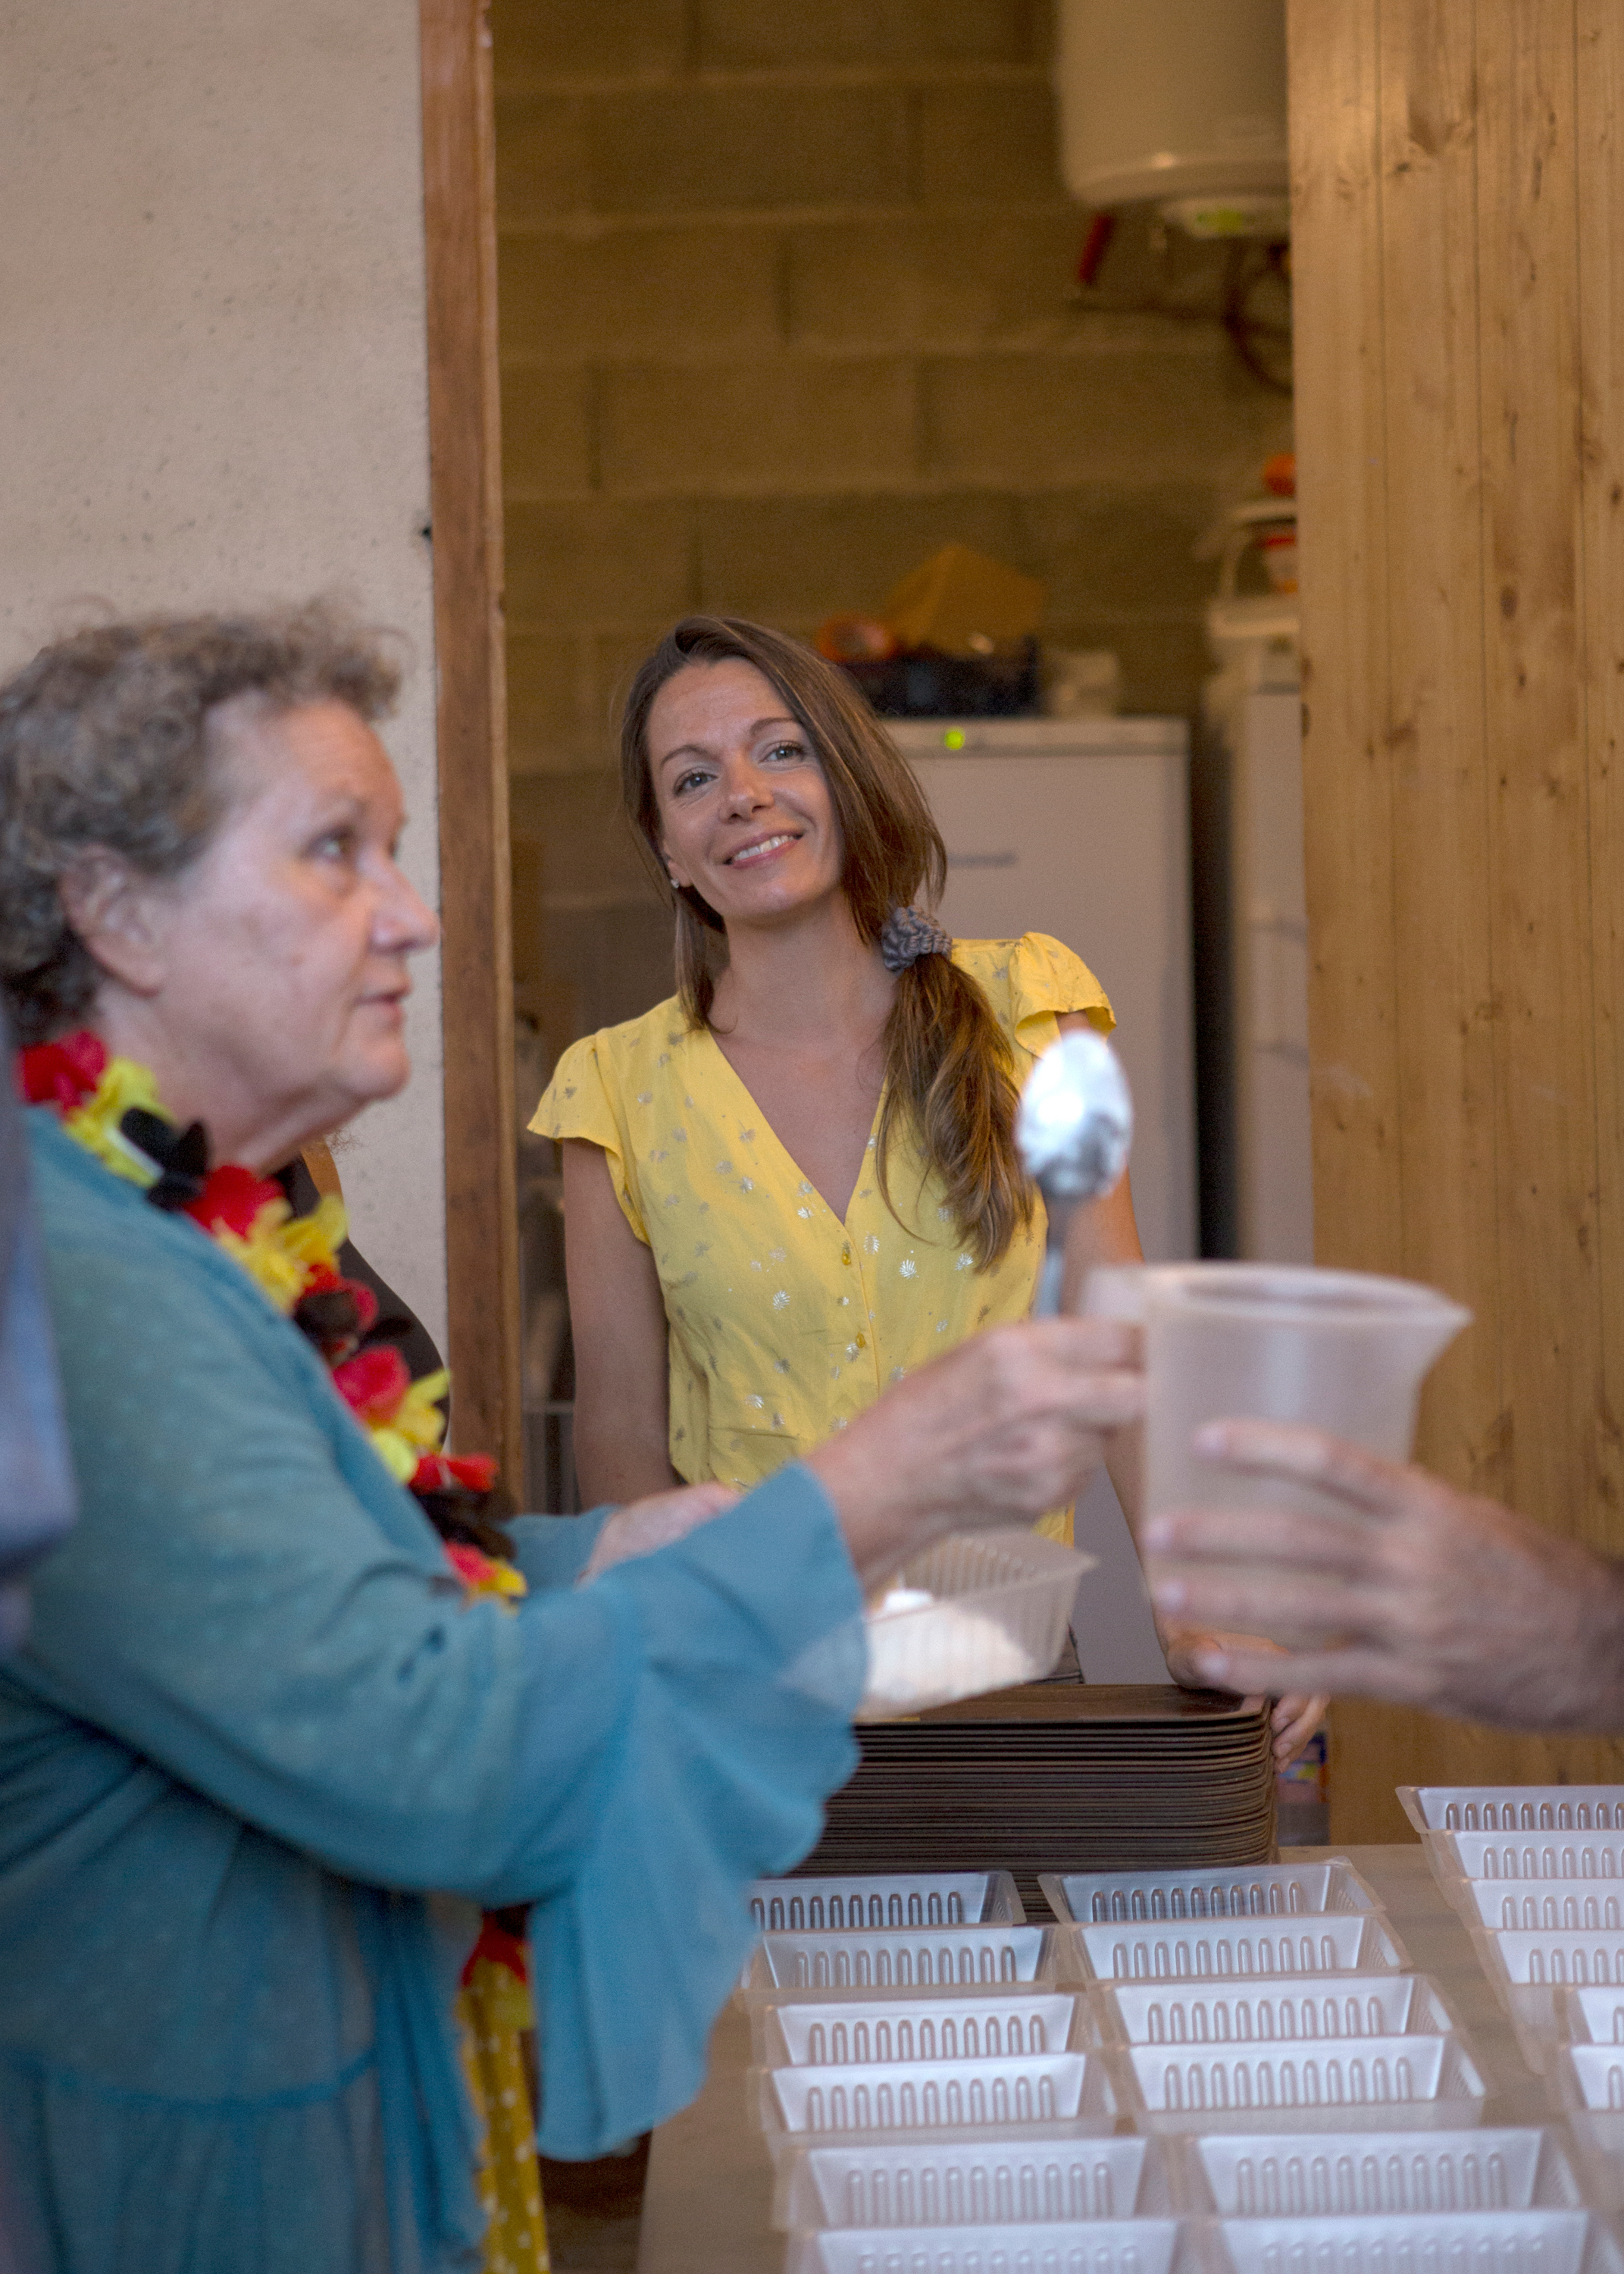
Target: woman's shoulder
column 605, row 1071
column 1034, row 973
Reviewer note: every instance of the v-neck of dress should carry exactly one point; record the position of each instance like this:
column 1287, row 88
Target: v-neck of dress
column 746, row 1092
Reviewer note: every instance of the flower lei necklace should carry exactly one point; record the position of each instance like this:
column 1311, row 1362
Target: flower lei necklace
column 111, row 1108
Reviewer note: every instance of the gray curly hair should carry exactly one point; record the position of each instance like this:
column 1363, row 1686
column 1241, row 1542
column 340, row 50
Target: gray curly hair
column 104, row 745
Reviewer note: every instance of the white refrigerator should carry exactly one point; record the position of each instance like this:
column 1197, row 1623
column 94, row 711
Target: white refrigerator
column 1081, row 828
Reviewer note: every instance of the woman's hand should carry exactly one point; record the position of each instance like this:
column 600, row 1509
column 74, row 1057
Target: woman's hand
column 1011, row 1423
column 1408, row 1590
column 1292, row 1718
column 643, row 1525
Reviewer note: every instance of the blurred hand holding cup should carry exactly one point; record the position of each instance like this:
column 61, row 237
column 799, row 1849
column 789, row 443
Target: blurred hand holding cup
column 1345, row 1351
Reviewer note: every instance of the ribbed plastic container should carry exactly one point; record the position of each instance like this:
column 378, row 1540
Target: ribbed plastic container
column 1513, row 1807
column 927, row 1958
column 1349, row 1942
column 971, row 2183
column 1378, row 2082
column 1240, row 1891
column 1310, row 2175
column 935, row 2096
column 1145, row 2246
column 1564, row 1906
column 982, row 2026
column 1589, row 2076
column 1522, row 1856
column 1342, row 2009
column 1591, row 2017
column 1484, row 2242
column 1018, row 1588
column 908, row 1899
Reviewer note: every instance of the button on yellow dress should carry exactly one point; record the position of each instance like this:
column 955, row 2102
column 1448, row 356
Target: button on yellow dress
column 785, row 1321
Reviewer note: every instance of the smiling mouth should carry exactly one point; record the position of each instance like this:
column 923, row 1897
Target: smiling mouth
column 757, row 852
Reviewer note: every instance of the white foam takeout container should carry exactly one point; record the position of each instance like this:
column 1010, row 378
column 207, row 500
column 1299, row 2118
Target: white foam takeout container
column 1317, row 2175
column 1337, row 2009
column 1373, row 2084
column 970, row 2182
column 1021, row 1584
column 1237, row 1891
column 895, row 1899
column 1345, row 1942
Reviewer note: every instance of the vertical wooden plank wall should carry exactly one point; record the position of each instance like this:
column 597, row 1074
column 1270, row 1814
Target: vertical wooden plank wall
column 477, row 959
column 1458, row 248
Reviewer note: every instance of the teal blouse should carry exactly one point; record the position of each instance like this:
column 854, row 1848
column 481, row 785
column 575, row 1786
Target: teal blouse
column 261, row 1757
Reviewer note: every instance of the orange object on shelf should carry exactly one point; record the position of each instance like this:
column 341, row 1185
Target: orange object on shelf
column 1279, row 474
column 854, row 638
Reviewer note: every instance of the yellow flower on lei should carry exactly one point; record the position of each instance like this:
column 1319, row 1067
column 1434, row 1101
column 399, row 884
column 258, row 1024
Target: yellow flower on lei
column 281, row 1250
column 95, row 1124
column 414, row 1428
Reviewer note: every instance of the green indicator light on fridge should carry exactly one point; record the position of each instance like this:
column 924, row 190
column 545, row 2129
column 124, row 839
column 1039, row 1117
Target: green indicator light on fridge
column 953, row 738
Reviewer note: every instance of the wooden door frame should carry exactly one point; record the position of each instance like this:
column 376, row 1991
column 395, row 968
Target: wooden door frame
column 482, row 1246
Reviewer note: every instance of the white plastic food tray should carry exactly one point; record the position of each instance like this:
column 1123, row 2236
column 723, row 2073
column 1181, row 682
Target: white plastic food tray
column 904, row 1898
column 1310, row 2175
column 1541, row 1906
column 935, row 2096
column 1347, row 1942
column 1475, row 2242
column 984, row 2026
column 1513, row 1807
column 1244, row 1891
column 1590, row 2076
column 927, row 1958
column 1338, row 2008
column 970, row 2183
column 1022, row 1585
column 1591, row 2017
column 1375, row 2082
column 1522, row 1856
column 1146, row 2245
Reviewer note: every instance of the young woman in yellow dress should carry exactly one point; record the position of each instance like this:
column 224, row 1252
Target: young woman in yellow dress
column 797, row 1180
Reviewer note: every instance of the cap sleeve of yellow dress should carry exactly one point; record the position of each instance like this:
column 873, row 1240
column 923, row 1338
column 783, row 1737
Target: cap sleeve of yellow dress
column 1031, row 984
column 586, row 1098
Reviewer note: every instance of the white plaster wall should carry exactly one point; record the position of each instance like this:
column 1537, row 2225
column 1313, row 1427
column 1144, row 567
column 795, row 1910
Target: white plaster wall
column 212, row 385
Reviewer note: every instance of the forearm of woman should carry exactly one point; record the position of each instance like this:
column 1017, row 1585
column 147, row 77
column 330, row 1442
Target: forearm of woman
column 1104, row 1233
column 617, row 1318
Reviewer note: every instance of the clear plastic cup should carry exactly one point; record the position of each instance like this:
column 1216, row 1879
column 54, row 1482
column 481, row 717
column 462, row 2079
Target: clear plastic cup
column 1342, row 1351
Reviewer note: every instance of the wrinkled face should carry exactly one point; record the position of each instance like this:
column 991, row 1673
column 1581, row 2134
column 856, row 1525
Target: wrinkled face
column 284, row 944
column 745, row 811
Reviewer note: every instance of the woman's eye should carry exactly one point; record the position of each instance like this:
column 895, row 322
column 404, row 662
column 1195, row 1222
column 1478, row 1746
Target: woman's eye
column 336, row 845
column 693, row 777
column 791, row 750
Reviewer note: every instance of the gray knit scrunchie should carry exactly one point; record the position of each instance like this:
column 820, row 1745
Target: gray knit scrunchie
column 908, row 934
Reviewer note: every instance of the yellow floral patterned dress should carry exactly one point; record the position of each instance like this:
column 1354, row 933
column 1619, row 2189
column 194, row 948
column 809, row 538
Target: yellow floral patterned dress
column 785, row 1320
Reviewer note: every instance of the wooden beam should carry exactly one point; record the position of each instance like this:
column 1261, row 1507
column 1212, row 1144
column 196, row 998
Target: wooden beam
column 1459, row 254
column 477, row 956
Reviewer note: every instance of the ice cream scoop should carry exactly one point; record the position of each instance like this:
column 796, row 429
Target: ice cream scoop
column 1073, row 1129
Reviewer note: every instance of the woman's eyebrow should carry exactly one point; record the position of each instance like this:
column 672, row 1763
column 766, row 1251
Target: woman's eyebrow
column 756, row 727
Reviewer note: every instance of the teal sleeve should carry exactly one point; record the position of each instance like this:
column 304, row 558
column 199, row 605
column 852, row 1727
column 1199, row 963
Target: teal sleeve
column 735, row 1727
column 551, row 1551
column 251, row 1603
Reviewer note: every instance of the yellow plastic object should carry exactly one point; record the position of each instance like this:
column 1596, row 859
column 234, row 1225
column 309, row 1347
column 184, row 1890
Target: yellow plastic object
column 963, row 603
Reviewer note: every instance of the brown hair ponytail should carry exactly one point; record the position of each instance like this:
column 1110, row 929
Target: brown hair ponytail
column 949, row 1068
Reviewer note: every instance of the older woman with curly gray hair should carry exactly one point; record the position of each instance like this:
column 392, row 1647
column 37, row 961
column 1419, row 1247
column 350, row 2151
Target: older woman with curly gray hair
column 265, row 1716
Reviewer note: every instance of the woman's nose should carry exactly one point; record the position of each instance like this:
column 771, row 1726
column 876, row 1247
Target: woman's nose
column 405, row 922
column 745, row 789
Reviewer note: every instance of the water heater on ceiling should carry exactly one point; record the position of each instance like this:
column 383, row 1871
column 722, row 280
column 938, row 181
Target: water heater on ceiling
column 1180, row 104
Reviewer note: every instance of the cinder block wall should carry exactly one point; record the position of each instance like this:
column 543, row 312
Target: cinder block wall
column 785, row 305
